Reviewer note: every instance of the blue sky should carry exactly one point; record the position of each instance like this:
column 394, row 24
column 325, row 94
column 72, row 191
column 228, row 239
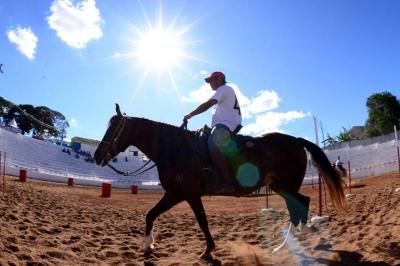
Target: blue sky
column 287, row 60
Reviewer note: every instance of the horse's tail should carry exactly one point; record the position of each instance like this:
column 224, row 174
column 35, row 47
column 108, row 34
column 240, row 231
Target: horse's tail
column 334, row 181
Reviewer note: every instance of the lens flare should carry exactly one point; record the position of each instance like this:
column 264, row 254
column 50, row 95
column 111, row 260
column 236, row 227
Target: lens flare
column 248, row 175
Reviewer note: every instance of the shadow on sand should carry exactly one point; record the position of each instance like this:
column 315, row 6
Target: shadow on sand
column 346, row 258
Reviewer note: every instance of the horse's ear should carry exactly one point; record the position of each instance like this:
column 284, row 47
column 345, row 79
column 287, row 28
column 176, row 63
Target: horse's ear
column 117, row 109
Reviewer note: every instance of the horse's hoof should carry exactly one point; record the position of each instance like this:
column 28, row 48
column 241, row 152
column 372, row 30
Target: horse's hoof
column 206, row 256
column 148, row 250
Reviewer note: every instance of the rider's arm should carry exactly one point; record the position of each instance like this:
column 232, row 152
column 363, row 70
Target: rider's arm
column 202, row 108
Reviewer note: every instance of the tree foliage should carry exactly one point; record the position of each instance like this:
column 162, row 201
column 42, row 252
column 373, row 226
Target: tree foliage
column 343, row 136
column 4, row 106
column 383, row 114
column 39, row 120
column 329, row 140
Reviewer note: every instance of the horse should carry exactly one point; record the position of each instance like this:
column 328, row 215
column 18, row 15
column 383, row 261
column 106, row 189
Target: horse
column 276, row 159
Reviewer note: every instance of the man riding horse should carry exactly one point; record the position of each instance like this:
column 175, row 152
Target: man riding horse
column 226, row 121
column 275, row 159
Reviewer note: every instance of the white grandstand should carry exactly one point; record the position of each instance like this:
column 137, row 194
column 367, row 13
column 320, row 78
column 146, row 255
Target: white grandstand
column 46, row 161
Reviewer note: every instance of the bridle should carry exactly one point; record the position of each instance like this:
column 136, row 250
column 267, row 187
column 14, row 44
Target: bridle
column 112, row 143
column 114, row 139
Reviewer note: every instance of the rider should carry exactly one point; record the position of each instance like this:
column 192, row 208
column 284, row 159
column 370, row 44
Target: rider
column 226, row 120
column 339, row 164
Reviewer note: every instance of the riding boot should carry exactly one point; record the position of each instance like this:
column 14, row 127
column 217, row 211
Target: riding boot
column 224, row 183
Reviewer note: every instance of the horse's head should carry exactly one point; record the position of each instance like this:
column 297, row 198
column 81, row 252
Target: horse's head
column 111, row 144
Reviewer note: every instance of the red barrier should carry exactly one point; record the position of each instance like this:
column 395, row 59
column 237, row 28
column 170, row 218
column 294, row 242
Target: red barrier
column 1, row 174
column 70, row 181
column 349, row 174
column 323, row 186
column 320, row 195
column 22, row 175
column 4, row 171
column 106, row 190
column 398, row 159
column 134, row 189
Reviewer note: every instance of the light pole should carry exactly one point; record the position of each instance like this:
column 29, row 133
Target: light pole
column 397, row 148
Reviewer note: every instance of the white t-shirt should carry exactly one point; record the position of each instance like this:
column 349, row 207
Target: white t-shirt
column 227, row 110
column 338, row 162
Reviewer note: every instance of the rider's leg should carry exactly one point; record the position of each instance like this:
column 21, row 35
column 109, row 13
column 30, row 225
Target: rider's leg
column 219, row 144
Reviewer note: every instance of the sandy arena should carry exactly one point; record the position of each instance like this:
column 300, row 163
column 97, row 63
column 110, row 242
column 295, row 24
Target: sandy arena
column 51, row 224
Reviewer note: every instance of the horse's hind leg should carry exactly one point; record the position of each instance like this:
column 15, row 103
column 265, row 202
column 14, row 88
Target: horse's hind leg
column 198, row 209
column 167, row 202
column 298, row 206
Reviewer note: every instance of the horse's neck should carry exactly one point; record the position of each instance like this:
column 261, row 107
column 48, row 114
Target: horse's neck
column 149, row 137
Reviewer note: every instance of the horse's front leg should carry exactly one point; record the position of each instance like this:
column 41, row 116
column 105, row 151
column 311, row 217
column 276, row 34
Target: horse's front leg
column 198, row 209
column 167, row 202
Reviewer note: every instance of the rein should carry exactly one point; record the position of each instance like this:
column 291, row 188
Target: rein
column 133, row 173
column 114, row 139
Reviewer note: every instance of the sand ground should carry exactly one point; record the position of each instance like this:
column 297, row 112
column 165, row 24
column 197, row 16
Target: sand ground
column 44, row 223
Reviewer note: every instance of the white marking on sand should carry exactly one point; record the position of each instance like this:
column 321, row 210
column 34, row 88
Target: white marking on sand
column 349, row 196
column 319, row 219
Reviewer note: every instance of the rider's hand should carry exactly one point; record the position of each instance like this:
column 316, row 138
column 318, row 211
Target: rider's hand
column 187, row 117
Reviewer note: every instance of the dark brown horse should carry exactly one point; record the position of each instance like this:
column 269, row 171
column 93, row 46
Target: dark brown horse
column 275, row 159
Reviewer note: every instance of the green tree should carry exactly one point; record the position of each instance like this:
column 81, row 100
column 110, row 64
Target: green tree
column 344, row 136
column 17, row 113
column 45, row 121
column 383, row 114
column 39, row 120
column 329, row 140
column 4, row 106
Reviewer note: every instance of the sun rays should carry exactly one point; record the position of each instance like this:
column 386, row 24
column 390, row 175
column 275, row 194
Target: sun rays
column 159, row 51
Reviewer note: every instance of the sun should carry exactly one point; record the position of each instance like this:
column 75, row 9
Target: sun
column 160, row 49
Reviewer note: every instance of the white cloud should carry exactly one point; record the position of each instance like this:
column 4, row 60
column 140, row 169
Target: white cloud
column 77, row 24
column 201, row 74
column 73, row 122
column 200, row 95
column 271, row 122
column 265, row 101
column 204, row 73
column 25, row 40
column 117, row 55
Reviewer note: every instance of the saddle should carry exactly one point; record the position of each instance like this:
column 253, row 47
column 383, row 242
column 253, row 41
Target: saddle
column 211, row 179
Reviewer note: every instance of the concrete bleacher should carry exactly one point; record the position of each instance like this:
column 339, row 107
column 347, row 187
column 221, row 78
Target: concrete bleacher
column 45, row 160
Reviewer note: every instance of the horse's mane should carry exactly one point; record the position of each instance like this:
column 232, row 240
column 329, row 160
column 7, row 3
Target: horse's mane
column 162, row 125
column 153, row 122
